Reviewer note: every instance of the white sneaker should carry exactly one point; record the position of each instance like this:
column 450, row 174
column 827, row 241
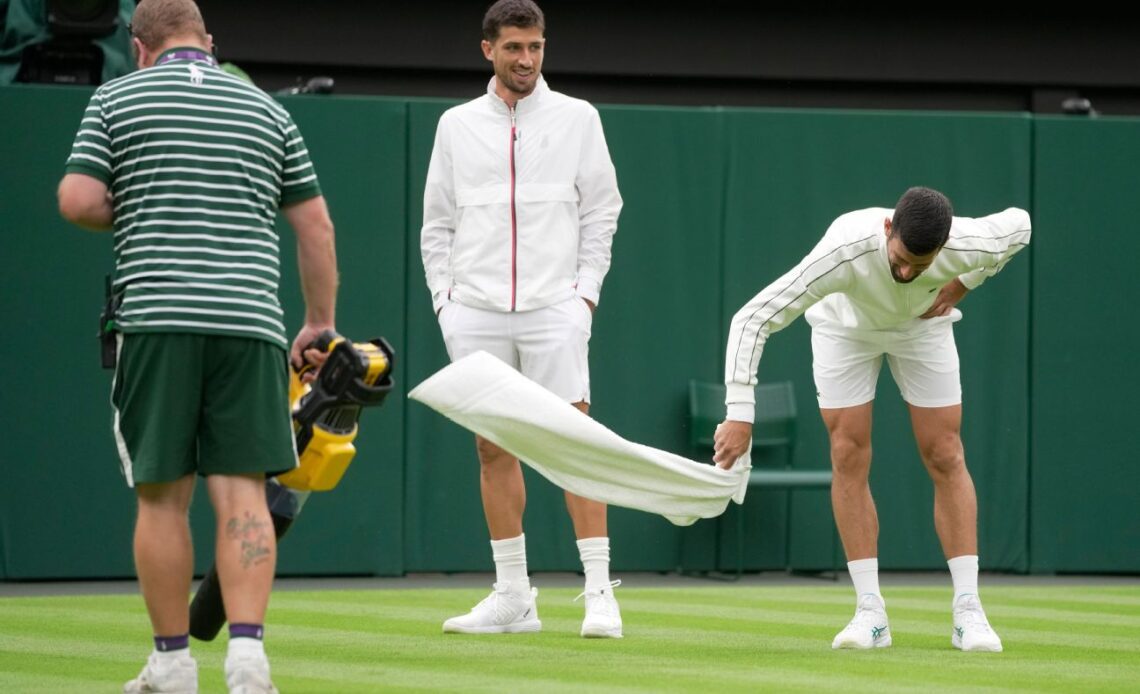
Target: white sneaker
column 165, row 674
column 603, row 617
column 972, row 631
column 868, row 628
column 504, row 611
column 248, row 673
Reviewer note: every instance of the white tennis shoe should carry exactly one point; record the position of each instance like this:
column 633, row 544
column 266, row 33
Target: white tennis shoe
column 178, row 675
column 603, row 616
column 869, row 627
column 504, row 611
column 972, row 631
column 247, row 672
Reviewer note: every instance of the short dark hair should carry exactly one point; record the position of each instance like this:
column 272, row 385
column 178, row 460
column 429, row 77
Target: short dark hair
column 511, row 13
column 922, row 220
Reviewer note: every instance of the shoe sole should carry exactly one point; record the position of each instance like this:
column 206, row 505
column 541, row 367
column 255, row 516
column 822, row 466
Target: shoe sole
column 189, row 690
column 601, row 634
column 957, row 643
column 852, row 646
column 517, row 628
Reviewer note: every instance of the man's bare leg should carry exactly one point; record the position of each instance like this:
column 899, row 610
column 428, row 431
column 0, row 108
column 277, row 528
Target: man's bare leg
column 849, row 430
column 164, row 554
column 937, row 432
column 246, row 545
column 502, row 488
column 588, row 516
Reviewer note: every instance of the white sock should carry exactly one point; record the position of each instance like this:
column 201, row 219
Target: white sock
column 170, row 656
column 964, row 574
column 510, row 562
column 246, row 647
column 595, row 553
column 865, row 576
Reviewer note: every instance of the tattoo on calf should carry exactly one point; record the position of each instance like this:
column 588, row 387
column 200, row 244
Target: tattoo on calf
column 254, row 536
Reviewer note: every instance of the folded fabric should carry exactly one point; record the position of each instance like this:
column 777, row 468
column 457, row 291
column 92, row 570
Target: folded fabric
column 573, row 451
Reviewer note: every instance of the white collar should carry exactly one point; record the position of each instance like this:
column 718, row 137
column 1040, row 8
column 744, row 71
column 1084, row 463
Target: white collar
column 534, row 97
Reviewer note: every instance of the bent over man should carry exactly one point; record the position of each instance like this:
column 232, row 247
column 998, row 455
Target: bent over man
column 520, row 208
column 189, row 165
column 881, row 283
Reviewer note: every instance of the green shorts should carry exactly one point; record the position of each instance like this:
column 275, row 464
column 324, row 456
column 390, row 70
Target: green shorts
column 209, row 404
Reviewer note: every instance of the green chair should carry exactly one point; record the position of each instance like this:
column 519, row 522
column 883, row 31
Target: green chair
column 774, row 428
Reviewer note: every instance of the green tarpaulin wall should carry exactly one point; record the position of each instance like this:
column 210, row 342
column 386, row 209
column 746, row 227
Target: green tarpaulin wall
column 718, row 202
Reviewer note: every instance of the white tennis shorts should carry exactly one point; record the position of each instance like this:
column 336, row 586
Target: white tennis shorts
column 550, row 345
column 922, row 355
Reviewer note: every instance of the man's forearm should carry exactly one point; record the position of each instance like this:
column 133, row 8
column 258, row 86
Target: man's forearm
column 316, row 261
column 316, row 258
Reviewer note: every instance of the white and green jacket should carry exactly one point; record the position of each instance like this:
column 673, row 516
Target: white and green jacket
column 846, row 283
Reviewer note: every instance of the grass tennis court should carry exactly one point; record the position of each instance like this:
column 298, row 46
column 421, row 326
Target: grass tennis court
column 714, row 638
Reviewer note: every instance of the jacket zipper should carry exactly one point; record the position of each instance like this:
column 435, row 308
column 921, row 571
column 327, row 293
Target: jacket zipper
column 514, row 216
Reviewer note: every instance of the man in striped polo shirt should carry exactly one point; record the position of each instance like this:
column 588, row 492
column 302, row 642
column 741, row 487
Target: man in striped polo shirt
column 188, row 166
column 884, row 282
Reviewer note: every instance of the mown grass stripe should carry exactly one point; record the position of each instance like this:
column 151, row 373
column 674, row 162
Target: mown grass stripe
column 701, row 639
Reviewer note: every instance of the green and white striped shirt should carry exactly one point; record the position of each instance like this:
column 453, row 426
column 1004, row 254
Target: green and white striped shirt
column 198, row 162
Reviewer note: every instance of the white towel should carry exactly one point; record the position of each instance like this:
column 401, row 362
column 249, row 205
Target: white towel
column 573, row 451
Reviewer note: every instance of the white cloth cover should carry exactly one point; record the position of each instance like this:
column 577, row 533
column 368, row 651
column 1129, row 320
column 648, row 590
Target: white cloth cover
column 573, row 451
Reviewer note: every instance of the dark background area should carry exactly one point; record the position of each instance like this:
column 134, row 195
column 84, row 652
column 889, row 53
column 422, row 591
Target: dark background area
column 715, row 52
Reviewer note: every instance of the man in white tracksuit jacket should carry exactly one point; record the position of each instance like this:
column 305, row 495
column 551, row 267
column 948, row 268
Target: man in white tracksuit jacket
column 884, row 282
column 520, row 208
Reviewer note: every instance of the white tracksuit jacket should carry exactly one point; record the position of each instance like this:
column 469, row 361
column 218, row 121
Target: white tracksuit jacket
column 846, row 282
column 520, row 208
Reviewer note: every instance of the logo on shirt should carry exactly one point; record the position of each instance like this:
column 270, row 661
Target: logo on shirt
column 196, row 75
